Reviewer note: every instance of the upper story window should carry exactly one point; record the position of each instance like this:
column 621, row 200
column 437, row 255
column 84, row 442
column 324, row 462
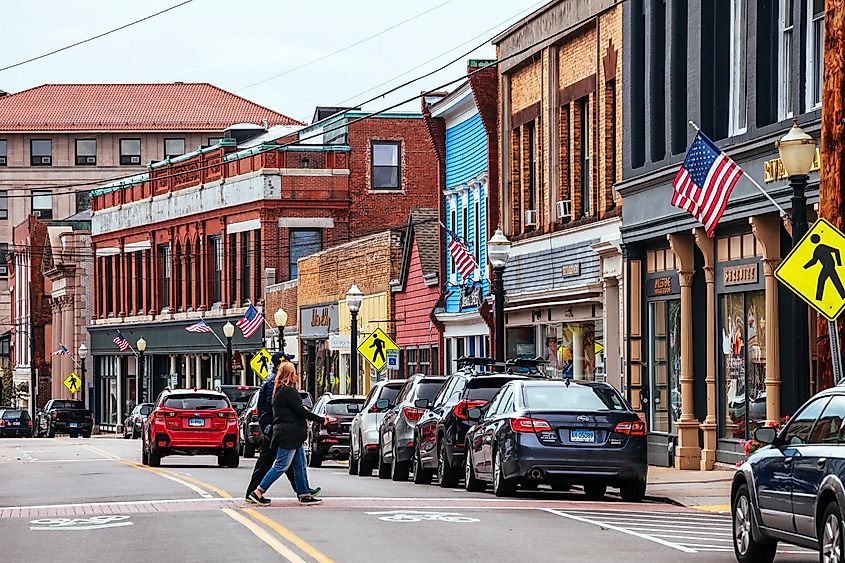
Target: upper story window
column 815, row 53
column 41, row 152
column 385, row 167
column 787, row 29
column 477, row 249
column 214, row 140
column 302, row 242
column 453, row 226
column 3, row 154
column 738, row 120
column 174, row 147
column 86, row 152
column 42, row 204
column 532, row 166
column 216, row 244
column 4, row 206
column 584, row 156
column 4, row 271
column 130, row 151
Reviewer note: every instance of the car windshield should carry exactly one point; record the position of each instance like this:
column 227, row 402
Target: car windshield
column 196, row 402
column 146, row 409
column 11, row 414
column 67, row 405
column 572, row 398
column 389, row 392
column 339, row 406
column 429, row 389
column 484, row 388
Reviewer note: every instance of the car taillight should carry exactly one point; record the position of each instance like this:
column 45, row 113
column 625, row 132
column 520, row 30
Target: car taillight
column 254, row 412
column 412, row 413
column 525, row 424
column 228, row 415
column 29, row 423
column 632, row 428
column 462, row 407
column 2, row 422
column 330, row 420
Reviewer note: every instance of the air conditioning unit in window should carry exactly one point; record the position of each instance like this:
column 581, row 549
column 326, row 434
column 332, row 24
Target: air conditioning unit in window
column 531, row 218
column 46, row 160
column 4, row 271
column 37, row 213
column 91, row 159
column 564, row 209
column 135, row 160
column 2, row 161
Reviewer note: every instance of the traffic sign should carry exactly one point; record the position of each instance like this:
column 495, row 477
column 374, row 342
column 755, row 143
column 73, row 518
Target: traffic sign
column 814, row 269
column 72, row 382
column 393, row 359
column 375, row 348
column 261, row 363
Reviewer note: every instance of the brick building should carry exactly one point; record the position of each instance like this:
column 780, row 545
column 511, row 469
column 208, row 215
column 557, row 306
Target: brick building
column 560, row 157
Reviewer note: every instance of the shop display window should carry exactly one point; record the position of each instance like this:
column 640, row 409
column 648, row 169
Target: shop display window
column 573, row 350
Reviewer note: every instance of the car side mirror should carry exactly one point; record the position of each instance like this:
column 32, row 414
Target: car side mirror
column 766, row 434
column 422, row 403
column 382, row 404
column 474, row 413
column 353, row 408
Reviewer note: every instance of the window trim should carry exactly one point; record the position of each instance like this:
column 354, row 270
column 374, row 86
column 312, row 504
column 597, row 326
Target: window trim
column 811, row 61
column 738, row 94
column 4, row 210
column 785, row 66
column 398, row 145
column 291, row 262
column 584, row 157
column 41, row 193
column 4, row 155
column 32, row 156
column 126, row 159
column 85, row 157
column 184, row 147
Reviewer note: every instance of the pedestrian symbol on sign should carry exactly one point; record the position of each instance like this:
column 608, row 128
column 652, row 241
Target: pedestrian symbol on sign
column 261, row 363
column 72, row 382
column 824, row 255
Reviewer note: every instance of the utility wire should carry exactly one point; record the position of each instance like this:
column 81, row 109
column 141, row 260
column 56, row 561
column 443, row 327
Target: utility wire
column 109, row 32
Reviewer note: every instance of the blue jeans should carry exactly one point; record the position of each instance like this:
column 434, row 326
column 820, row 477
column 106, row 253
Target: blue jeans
column 284, row 458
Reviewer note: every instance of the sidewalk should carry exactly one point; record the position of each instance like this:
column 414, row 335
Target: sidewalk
column 704, row 490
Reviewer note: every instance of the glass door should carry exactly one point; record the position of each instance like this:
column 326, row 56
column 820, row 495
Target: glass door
column 664, row 405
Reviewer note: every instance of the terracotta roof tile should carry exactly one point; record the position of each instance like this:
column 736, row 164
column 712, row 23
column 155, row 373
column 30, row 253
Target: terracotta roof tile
column 131, row 107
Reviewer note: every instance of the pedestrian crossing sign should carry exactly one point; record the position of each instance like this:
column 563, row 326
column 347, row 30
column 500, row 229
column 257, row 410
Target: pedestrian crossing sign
column 376, row 347
column 814, row 269
column 261, row 363
column 73, row 383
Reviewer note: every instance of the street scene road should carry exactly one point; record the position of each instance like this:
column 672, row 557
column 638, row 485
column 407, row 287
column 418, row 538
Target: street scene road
column 79, row 500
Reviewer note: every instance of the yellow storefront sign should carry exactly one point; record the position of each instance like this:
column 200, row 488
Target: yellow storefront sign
column 73, row 383
column 375, row 348
column 814, row 269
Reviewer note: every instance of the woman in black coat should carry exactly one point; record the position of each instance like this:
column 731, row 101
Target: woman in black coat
column 289, row 434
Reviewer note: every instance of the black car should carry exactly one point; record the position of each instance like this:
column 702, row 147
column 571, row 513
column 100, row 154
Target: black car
column 332, row 439
column 134, row 423
column 559, row 433
column 440, row 433
column 396, row 433
column 15, row 423
column 239, row 395
column 64, row 416
column 250, row 430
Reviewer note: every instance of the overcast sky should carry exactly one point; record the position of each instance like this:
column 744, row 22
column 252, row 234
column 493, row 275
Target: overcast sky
column 237, row 43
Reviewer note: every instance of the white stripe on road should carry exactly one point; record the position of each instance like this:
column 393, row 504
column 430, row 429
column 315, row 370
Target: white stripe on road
column 108, row 503
column 620, row 529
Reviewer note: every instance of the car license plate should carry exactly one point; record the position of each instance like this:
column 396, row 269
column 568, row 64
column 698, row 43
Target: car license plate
column 582, row 436
column 72, row 425
column 196, row 422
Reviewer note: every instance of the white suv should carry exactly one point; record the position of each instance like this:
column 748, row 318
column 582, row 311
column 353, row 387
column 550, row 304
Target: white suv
column 364, row 433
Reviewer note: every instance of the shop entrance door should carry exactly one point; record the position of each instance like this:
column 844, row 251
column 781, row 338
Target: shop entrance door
column 664, row 397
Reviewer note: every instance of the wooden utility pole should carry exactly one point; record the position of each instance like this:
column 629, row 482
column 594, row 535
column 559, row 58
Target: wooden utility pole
column 832, row 179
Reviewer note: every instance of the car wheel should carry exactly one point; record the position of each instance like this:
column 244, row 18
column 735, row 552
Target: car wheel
column 632, row 491
column 746, row 548
column 126, row 436
column 154, row 457
column 383, row 468
column 50, row 432
column 446, row 474
column 86, row 434
column 502, row 487
column 232, row 458
column 249, row 450
column 353, row 462
column 595, row 491
column 136, row 434
column 471, row 483
column 145, row 456
column 399, row 470
column 365, row 466
column 422, row 476
column 831, row 549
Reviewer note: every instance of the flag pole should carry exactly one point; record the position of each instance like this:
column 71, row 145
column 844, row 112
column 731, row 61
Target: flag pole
column 215, row 334
column 784, row 215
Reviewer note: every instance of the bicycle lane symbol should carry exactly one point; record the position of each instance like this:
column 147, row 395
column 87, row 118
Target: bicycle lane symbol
column 79, row 524
column 420, row 515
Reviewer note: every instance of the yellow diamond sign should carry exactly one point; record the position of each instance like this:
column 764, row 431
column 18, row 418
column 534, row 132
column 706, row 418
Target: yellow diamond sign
column 261, row 363
column 375, row 348
column 814, row 269
column 73, row 383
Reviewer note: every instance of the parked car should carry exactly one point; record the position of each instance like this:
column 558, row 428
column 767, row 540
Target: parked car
column 64, row 416
column 239, row 395
column 364, row 432
column 134, row 423
column 191, row 422
column 15, row 423
column 559, row 433
column 792, row 490
column 332, row 439
column 249, row 428
column 396, row 433
column 439, row 435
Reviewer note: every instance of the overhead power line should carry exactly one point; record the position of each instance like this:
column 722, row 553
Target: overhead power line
column 109, row 32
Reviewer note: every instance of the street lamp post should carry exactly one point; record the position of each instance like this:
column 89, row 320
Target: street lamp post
column 141, row 388
column 82, row 352
column 498, row 252
column 354, row 297
column 281, row 318
column 228, row 332
column 797, row 152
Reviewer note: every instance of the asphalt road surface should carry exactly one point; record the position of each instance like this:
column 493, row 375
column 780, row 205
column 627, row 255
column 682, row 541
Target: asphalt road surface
column 68, row 499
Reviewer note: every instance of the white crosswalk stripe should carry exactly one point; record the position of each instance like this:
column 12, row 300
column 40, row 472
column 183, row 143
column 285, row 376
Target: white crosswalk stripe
column 690, row 532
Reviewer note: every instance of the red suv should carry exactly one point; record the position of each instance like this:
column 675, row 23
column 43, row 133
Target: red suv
column 191, row 422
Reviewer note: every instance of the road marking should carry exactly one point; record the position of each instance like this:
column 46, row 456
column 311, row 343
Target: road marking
column 420, row 515
column 712, row 507
column 620, row 529
column 290, row 536
column 80, row 524
column 106, row 503
column 264, row 536
column 209, row 486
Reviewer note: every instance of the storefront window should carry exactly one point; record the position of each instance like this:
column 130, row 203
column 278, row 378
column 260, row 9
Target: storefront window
column 743, row 366
column 107, row 390
column 521, row 342
column 573, row 350
column 664, row 364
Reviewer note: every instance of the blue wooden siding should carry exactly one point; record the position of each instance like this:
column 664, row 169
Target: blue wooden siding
column 466, row 151
column 476, row 224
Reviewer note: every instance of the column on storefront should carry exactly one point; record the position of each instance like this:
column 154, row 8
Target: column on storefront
column 709, row 426
column 198, row 375
column 767, row 230
column 189, row 371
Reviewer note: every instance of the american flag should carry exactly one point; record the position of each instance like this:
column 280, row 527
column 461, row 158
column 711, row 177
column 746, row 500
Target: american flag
column 62, row 351
column 121, row 342
column 705, row 181
column 250, row 322
column 464, row 260
column 201, row 326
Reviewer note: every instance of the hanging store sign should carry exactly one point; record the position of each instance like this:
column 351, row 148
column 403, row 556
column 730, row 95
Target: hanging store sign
column 740, row 275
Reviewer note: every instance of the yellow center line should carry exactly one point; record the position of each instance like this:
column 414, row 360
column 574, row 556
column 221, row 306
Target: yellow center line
column 264, row 536
column 290, row 536
column 209, row 486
